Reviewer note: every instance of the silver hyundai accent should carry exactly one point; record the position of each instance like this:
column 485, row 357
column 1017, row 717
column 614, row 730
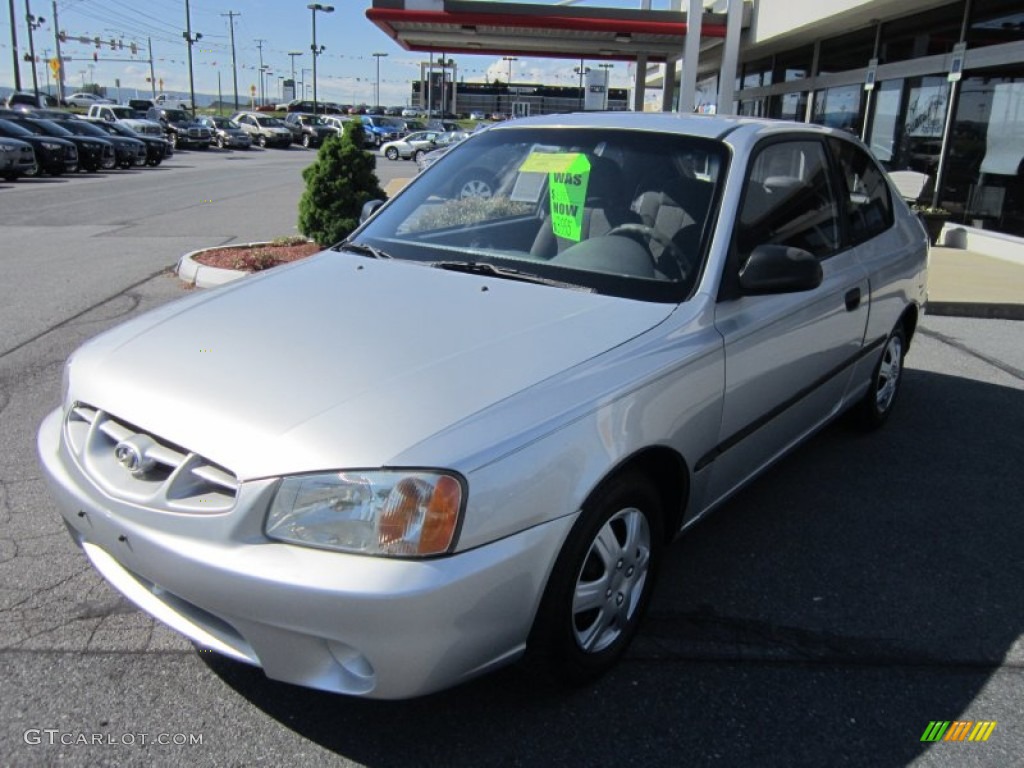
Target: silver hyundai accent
column 474, row 425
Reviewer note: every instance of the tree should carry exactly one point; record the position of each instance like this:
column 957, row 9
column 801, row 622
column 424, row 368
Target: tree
column 338, row 184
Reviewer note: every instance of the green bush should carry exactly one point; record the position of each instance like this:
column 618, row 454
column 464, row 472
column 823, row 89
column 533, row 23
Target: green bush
column 338, row 184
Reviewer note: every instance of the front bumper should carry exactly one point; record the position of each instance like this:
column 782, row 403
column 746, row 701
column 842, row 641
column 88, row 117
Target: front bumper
column 368, row 626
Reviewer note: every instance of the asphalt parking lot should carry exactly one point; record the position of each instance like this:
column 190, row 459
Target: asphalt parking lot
column 866, row 586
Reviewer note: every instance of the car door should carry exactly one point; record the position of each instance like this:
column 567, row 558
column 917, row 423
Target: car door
column 788, row 356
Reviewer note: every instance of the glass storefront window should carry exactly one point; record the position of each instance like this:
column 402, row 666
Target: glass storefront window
column 789, row 106
column 996, row 21
column 909, row 117
column 840, row 107
column 757, row 74
column 931, row 31
column 984, row 178
column 793, row 65
column 850, row 51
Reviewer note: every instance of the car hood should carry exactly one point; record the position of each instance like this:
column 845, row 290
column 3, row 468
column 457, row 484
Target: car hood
column 341, row 361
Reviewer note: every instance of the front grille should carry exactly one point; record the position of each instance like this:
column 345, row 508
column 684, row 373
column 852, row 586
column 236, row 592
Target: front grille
column 171, row 477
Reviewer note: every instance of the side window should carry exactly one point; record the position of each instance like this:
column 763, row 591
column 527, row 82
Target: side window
column 867, row 204
column 789, row 200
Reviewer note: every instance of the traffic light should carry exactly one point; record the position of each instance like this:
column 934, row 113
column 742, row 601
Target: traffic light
column 62, row 36
column 95, row 56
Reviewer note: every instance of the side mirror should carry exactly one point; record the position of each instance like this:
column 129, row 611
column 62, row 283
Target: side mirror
column 369, row 209
column 779, row 269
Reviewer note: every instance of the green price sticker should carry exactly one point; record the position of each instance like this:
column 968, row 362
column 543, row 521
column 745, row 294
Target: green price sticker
column 568, row 178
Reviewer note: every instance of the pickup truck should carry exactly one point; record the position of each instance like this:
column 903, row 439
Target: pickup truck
column 126, row 116
column 173, row 102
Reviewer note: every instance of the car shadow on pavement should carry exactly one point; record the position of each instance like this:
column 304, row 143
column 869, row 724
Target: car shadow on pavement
column 867, row 585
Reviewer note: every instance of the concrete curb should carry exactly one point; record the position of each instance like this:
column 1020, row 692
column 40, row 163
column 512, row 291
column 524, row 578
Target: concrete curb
column 202, row 276
column 985, row 311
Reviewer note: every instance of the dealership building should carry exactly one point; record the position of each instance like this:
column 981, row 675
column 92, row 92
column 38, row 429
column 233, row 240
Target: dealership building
column 935, row 89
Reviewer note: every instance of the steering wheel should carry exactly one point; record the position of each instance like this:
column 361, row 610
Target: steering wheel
column 677, row 257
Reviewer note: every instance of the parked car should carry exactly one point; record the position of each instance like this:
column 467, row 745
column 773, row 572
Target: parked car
column 181, row 129
column 128, row 151
column 141, row 105
column 557, row 382
column 53, row 155
column 85, row 100
column 442, row 144
column 412, row 147
column 336, row 122
column 413, row 112
column 378, row 130
column 478, row 115
column 127, row 116
column 265, row 130
column 17, row 159
column 226, row 133
column 308, row 130
column 94, row 152
column 157, row 148
column 22, row 100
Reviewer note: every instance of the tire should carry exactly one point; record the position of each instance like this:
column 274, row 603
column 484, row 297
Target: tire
column 878, row 402
column 174, row 140
column 305, row 140
column 154, row 162
column 220, row 142
column 474, row 183
column 262, row 141
column 11, row 177
column 601, row 582
column 417, row 155
column 391, row 153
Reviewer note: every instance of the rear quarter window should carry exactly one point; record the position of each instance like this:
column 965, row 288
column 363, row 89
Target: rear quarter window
column 865, row 199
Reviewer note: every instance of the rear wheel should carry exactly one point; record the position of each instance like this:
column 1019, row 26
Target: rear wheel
column 12, row 177
column 220, row 142
column 601, row 583
column 878, row 402
column 262, row 141
column 305, row 140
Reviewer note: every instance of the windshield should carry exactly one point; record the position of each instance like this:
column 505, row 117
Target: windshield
column 83, row 128
column 177, row 115
column 124, row 112
column 614, row 211
column 47, row 127
column 13, row 129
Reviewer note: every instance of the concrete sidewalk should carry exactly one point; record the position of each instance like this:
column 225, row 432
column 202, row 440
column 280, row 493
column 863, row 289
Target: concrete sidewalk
column 962, row 283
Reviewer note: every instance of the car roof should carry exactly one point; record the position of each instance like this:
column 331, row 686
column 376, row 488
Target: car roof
column 708, row 126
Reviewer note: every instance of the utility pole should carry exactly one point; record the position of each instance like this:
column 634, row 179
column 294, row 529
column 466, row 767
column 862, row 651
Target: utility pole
column 34, row 22
column 234, row 69
column 293, row 54
column 152, row 74
column 14, row 47
column 259, row 44
column 191, row 40
column 60, row 59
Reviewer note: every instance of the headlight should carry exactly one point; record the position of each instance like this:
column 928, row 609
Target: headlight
column 51, row 146
column 7, row 148
column 395, row 513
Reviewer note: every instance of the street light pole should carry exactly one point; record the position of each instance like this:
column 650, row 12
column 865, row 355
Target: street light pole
column 293, row 54
column 581, row 71
column 314, row 7
column 376, row 96
column 606, row 67
column 508, row 84
column 14, row 47
column 234, row 68
column 34, row 22
column 187, row 34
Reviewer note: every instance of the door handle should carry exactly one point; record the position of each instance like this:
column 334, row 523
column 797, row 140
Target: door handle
column 852, row 299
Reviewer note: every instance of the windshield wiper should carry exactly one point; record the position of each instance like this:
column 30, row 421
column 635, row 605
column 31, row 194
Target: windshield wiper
column 507, row 273
column 364, row 249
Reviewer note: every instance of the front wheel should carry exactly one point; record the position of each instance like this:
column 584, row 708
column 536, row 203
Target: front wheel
column 262, row 141
column 174, row 140
column 220, row 142
column 601, row 583
column 391, row 153
column 878, row 402
column 305, row 140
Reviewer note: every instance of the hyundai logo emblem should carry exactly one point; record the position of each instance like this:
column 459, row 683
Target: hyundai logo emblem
column 130, row 453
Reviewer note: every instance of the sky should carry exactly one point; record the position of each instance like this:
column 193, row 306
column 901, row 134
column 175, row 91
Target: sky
column 346, row 72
